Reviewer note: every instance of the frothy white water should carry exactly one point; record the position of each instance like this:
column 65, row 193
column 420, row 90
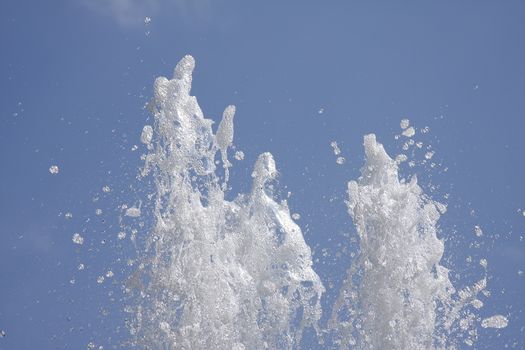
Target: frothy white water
column 397, row 294
column 222, row 274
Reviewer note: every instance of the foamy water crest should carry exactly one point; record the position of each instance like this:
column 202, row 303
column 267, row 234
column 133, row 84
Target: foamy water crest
column 221, row 274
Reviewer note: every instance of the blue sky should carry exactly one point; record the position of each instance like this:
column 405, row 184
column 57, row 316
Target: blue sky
column 75, row 76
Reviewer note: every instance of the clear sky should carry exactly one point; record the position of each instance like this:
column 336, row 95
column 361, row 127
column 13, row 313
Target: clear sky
column 75, row 76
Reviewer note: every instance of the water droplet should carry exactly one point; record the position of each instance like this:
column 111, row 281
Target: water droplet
column 429, row 155
column 77, row 238
column 478, row 231
column 53, row 169
column 68, row 215
column 106, row 189
column 109, row 274
column 100, row 279
column 400, row 158
column 98, row 212
column 484, row 263
column 239, row 155
column 133, row 212
column 405, row 123
column 121, row 235
column 81, row 267
column 340, row 160
column 147, row 20
column 496, row 321
column 409, row 132
column 478, row 304
column 320, row 111
column 337, row 150
column 296, row 216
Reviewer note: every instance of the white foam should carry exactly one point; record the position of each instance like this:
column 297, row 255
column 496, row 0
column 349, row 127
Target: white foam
column 397, row 294
column 224, row 274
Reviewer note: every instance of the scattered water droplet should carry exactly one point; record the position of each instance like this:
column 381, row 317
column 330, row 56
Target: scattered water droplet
column 239, row 155
column 405, row 123
column 478, row 231
column 147, row 20
column 100, row 279
column 496, row 321
column 53, row 169
column 98, row 212
column 400, row 158
column 109, row 274
column 340, row 160
column 296, row 216
column 81, row 267
column 429, row 155
column 409, row 132
column 106, row 189
column 133, row 212
column 68, row 215
column 78, row 239
column 478, row 304
column 337, row 150
column 121, row 235
column 483, row 262
column 320, row 111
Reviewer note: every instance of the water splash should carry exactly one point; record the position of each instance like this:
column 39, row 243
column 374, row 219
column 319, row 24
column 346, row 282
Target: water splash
column 218, row 274
column 221, row 274
column 397, row 294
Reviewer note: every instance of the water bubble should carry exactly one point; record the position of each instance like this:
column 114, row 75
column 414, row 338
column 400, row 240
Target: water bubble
column 53, row 169
column 78, row 239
